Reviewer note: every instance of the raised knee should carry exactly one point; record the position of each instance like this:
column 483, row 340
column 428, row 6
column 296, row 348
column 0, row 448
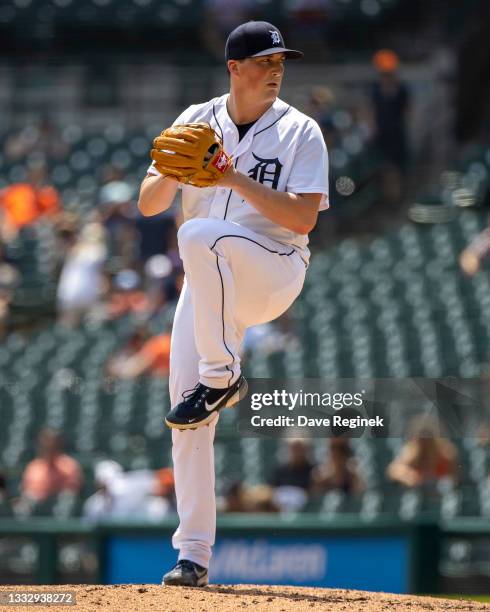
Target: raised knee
column 191, row 233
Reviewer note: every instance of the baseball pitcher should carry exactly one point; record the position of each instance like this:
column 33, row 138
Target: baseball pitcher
column 254, row 174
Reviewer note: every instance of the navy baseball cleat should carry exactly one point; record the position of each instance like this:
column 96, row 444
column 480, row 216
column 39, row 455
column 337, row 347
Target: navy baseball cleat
column 186, row 573
column 202, row 404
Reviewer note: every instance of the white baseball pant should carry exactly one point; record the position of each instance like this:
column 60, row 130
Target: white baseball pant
column 234, row 278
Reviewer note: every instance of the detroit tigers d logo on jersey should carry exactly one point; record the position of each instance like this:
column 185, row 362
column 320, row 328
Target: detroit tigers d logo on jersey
column 266, row 171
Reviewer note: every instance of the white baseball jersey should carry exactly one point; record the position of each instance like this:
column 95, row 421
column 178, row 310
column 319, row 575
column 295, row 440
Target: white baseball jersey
column 284, row 150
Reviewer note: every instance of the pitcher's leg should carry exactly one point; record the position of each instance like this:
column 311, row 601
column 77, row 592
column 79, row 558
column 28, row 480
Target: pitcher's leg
column 193, row 458
column 184, row 358
column 192, row 450
column 235, row 276
column 209, row 278
column 234, row 279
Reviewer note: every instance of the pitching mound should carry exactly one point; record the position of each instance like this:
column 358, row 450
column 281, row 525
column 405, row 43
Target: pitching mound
column 230, row 598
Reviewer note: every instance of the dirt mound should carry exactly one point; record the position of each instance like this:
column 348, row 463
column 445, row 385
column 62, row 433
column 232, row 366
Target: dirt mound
column 230, row 598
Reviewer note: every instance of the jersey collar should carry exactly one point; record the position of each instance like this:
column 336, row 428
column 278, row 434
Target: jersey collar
column 225, row 122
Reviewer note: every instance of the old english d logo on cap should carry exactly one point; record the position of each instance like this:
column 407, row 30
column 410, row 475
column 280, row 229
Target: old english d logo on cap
column 276, row 37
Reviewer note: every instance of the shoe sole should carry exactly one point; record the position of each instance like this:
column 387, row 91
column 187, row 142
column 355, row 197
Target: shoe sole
column 239, row 394
column 200, row 583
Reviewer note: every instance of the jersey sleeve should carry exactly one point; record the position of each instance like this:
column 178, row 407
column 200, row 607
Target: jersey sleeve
column 182, row 118
column 309, row 173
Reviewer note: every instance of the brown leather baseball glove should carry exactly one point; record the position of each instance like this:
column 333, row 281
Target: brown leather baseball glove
column 191, row 153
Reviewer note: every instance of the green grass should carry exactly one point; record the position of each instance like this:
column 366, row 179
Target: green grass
column 480, row 598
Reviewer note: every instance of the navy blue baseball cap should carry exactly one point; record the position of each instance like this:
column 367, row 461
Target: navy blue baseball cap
column 256, row 38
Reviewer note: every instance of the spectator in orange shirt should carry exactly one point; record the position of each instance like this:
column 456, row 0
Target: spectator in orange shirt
column 143, row 354
column 24, row 203
column 155, row 353
column 51, row 471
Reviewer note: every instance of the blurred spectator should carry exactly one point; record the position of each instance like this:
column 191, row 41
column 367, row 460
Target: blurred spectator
column 52, row 471
column 5, row 507
column 81, row 282
column 292, row 478
column 483, row 442
column 390, row 100
column 308, row 25
column 9, row 278
column 157, row 235
column 127, row 296
column 134, row 344
column 67, row 227
column 136, row 494
column 321, row 107
column 111, row 173
column 472, row 117
column 118, row 214
column 483, row 436
column 42, row 141
column 142, row 354
column 270, row 337
column 472, row 256
column 24, row 203
column 173, row 249
column 339, row 472
column 164, row 281
column 425, row 459
column 235, row 498
column 220, row 18
column 239, row 497
column 261, row 499
column 100, row 504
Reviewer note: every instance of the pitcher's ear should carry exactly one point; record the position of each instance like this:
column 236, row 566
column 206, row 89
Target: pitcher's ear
column 233, row 66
